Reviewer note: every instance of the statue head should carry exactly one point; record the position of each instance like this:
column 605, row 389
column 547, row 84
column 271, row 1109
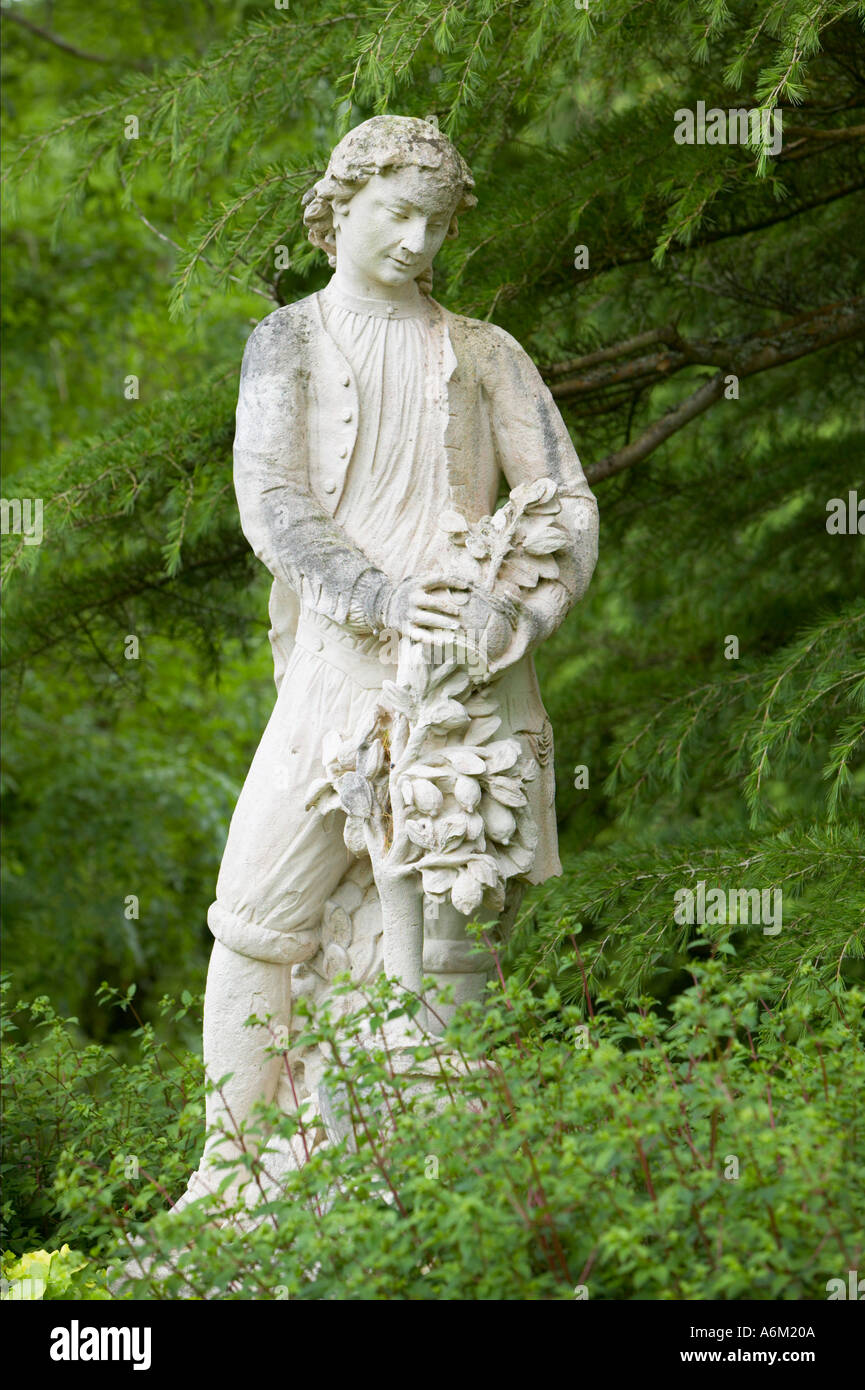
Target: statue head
column 392, row 192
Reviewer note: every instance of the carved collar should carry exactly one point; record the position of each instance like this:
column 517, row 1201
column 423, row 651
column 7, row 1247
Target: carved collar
column 376, row 308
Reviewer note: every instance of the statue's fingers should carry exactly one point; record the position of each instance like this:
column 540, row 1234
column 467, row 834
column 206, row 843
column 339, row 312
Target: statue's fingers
column 437, row 603
column 432, row 617
column 430, row 636
column 424, row 635
column 445, row 581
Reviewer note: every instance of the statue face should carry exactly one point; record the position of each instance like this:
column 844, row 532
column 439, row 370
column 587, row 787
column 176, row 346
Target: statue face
column 388, row 233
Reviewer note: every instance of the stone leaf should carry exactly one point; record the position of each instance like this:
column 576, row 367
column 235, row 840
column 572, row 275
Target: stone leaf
column 322, row 796
column 437, row 880
column 514, row 860
column 336, row 924
column 420, row 832
column 413, row 669
column 453, row 522
column 401, row 700
column 450, row 832
column 428, row 770
column 370, row 761
column 502, row 755
column 534, row 494
column 444, row 714
column 480, row 704
column 336, row 961
column 355, row 794
column 544, row 539
column 462, row 760
column 481, row 729
column 484, row 868
column 507, row 790
column 452, row 683
column 353, row 834
column 546, row 566
column 519, row 569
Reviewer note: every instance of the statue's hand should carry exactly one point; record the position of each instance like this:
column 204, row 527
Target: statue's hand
column 488, row 622
column 422, row 607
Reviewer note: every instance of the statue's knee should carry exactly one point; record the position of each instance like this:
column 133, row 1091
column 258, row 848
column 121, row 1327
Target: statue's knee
column 275, row 945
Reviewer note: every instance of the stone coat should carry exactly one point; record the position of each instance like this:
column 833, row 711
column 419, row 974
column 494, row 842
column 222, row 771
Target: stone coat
column 297, row 420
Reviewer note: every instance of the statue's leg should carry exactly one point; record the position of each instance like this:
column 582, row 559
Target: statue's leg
column 281, row 864
column 236, row 1055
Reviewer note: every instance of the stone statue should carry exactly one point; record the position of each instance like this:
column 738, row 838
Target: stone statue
column 404, row 783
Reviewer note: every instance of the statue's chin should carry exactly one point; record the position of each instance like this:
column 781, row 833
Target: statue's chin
column 392, row 274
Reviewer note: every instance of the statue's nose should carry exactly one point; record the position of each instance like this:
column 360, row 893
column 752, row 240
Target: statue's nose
column 412, row 239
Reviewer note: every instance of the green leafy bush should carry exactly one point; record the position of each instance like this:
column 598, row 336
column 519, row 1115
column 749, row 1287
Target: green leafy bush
column 691, row 1155
column 135, row 1126
column 50, row 1275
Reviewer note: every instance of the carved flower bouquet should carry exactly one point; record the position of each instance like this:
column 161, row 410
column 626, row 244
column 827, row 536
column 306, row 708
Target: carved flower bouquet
column 428, row 790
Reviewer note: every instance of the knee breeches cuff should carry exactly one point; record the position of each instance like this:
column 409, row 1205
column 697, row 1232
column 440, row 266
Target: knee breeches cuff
column 260, row 943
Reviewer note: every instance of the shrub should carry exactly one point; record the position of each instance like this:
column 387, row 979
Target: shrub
column 695, row 1155
column 135, row 1126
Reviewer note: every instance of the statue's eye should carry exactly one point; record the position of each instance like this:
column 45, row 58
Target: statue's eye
column 398, row 212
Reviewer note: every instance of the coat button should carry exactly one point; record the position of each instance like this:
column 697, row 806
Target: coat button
column 346, row 416
column 316, row 643
column 343, row 453
column 330, row 487
column 346, row 381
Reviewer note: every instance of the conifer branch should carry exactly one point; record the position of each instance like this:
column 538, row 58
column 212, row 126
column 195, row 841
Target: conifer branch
column 66, row 47
column 742, row 357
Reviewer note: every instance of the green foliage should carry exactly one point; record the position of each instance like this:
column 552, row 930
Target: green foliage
column 639, row 1156
column 134, row 1126
column 52, row 1274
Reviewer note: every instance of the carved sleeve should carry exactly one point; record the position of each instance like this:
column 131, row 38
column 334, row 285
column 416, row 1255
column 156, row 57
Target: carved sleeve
column 287, row 528
column 532, row 442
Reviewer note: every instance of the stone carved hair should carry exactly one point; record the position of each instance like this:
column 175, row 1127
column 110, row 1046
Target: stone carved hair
column 374, row 147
